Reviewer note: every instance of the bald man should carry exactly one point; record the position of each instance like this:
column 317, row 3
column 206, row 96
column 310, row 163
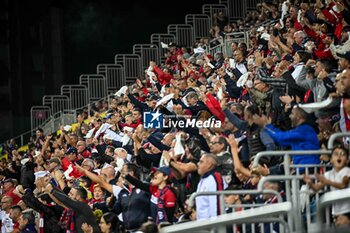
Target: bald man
column 211, row 180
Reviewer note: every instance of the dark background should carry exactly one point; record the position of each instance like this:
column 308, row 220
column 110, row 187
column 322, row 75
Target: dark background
column 47, row 43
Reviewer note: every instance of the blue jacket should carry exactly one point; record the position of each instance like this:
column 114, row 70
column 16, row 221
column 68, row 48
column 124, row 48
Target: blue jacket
column 303, row 137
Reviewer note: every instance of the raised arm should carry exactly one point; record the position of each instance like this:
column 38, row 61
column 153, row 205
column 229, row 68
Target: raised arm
column 95, row 178
column 238, row 166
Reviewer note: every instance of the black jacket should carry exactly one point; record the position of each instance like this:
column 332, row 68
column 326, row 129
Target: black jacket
column 52, row 214
column 134, row 206
column 83, row 212
column 27, row 175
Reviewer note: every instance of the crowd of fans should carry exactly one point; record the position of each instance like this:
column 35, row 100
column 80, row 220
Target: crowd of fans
column 111, row 173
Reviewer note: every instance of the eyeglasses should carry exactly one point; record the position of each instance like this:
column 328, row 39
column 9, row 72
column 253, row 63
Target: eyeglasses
column 213, row 143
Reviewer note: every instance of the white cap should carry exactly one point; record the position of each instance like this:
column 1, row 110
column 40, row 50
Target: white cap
column 40, row 174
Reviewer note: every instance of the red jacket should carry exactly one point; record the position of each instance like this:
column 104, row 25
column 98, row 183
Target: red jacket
column 163, row 78
column 65, row 164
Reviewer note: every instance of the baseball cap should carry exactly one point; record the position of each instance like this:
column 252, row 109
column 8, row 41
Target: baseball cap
column 345, row 55
column 71, row 150
column 165, row 170
column 40, row 174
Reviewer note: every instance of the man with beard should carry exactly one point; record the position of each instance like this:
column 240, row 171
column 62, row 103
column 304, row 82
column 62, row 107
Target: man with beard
column 302, row 137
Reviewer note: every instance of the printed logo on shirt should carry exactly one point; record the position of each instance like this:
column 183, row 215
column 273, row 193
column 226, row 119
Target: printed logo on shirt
column 157, row 120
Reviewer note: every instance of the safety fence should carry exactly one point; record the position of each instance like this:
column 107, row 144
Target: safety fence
column 236, row 8
column 214, row 9
column 66, row 117
column 56, row 103
column 162, row 39
column 184, row 34
column 38, row 115
column 243, row 207
column 328, row 199
column 78, row 95
column 96, row 85
column 147, row 52
column 265, row 214
column 224, row 44
column 114, row 74
column 201, row 25
column 252, row 4
column 131, row 64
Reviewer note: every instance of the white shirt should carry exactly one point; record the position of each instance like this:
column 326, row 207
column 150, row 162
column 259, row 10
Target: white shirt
column 241, row 67
column 6, row 222
column 339, row 207
column 206, row 205
column 298, row 68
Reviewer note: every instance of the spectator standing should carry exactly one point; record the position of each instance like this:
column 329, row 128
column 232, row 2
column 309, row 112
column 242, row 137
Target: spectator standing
column 211, row 180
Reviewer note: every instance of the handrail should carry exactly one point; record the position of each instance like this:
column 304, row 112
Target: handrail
column 334, row 136
column 250, row 215
column 328, row 199
column 287, row 152
column 233, row 192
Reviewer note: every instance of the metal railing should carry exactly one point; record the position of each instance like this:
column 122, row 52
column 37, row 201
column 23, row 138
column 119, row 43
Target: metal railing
column 114, row 74
column 147, row 52
column 184, row 34
column 158, row 39
column 236, row 8
column 57, row 103
column 132, row 66
column 78, row 95
column 256, row 215
column 201, row 25
column 96, row 85
column 326, row 201
column 211, row 9
column 334, row 136
column 38, row 115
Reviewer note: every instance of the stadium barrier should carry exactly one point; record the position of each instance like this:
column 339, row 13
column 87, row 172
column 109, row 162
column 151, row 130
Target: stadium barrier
column 236, row 8
column 244, row 207
column 147, row 52
column 184, row 34
column 325, row 203
column 201, row 25
column 96, row 85
column 114, row 74
column 268, row 213
column 297, row 193
column 333, row 137
column 132, row 66
column 38, row 115
column 57, row 103
column 158, row 39
column 211, row 9
column 78, row 95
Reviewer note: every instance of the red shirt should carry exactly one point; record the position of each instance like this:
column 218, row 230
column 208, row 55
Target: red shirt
column 14, row 197
column 170, row 198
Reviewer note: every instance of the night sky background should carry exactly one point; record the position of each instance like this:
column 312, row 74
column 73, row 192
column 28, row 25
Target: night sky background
column 95, row 31
column 91, row 32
